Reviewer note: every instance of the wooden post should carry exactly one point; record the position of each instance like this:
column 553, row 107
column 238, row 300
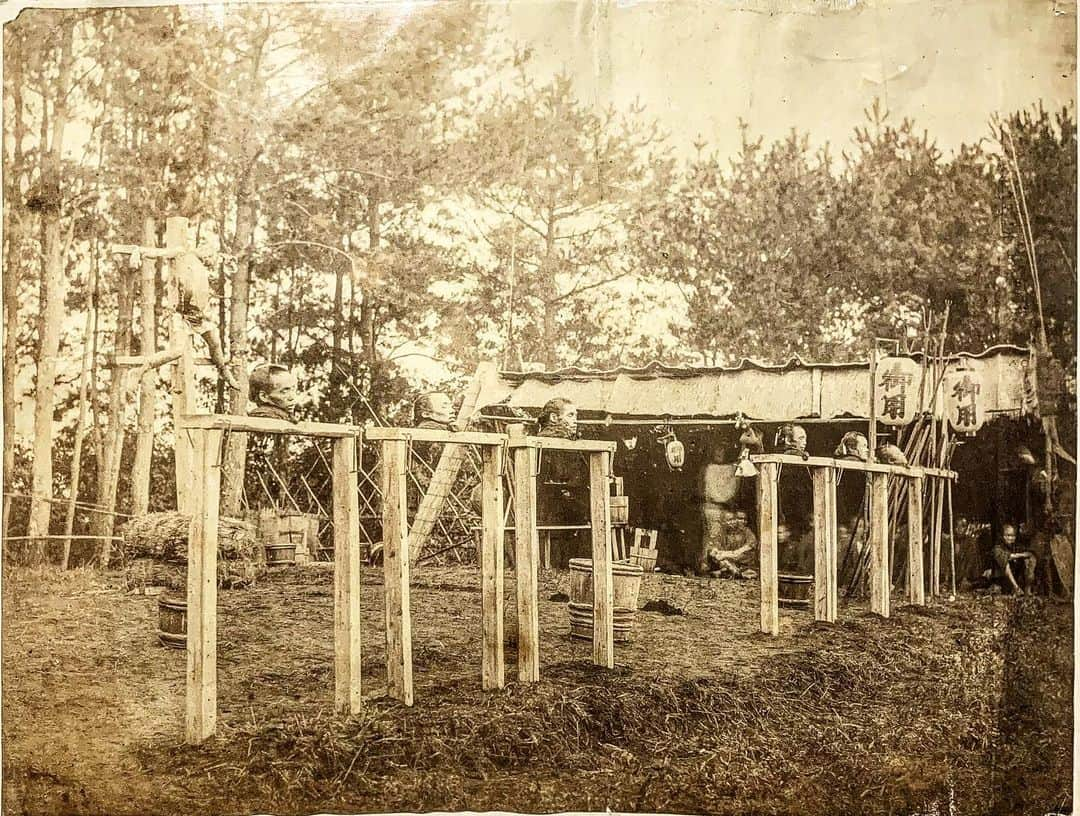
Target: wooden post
column 603, row 598
column 491, row 568
column 916, row 589
column 347, row 690
column 879, row 544
column 205, row 480
column 396, row 571
column 768, row 473
column 937, row 493
column 824, row 481
column 526, row 556
column 183, row 379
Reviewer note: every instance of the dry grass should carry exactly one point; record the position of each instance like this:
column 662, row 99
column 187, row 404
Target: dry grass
column 867, row 716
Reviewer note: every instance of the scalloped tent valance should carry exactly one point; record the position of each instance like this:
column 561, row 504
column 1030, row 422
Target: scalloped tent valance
column 763, row 392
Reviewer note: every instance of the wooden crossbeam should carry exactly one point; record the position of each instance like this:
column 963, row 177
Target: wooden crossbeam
column 167, row 253
column 247, row 424
column 550, row 443
column 433, row 435
column 845, row 464
column 154, row 360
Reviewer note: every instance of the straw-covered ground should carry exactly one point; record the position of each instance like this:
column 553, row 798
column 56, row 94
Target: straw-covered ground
column 961, row 708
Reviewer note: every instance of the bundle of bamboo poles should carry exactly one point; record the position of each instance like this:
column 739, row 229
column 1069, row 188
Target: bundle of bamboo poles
column 925, row 442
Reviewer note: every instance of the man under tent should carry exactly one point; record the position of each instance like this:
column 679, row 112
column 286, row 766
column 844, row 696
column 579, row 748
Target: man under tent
column 562, row 483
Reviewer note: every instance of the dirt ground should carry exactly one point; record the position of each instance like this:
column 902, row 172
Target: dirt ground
column 964, row 707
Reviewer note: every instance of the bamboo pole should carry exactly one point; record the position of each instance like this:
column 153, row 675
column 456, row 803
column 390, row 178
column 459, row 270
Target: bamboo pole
column 952, row 543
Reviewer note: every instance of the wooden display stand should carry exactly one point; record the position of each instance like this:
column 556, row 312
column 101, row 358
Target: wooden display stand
column 204, row 435
column 526, row 450
column 395, row 457
column 823, row 475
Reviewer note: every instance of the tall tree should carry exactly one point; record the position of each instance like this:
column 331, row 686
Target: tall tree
column 47, row 199
column 564, row 175
column 747, row 249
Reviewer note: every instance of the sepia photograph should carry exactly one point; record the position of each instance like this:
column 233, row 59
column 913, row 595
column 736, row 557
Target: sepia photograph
column 539, row 406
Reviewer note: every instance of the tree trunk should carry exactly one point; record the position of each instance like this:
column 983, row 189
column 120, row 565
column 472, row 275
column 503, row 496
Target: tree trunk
column 367, row 315
column 52, row 312
column 80, row 424
column 144, row 442
column 547, row 273
column 235, row 457
column 336, row 341
column 10, row 271
column 102, row 524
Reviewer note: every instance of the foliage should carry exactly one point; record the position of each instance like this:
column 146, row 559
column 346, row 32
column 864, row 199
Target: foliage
column 384, row 186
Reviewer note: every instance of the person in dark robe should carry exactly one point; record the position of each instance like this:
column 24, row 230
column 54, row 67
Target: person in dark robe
column 562, row 487
column 796, row 502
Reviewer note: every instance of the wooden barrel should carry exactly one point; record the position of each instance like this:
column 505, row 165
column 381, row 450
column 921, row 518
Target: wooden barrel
column 620, row 511
column 172, row 622
column 280, row 554
column 625, row 580
column 795, row 590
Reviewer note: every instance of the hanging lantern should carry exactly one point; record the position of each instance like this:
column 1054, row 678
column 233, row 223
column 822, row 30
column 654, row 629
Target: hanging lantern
column 744, row 468
column 896, row 390
column 674, row 451
column 963, row 401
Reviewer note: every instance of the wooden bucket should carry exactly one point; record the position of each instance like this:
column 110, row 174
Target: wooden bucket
column 795, row 591
column 172, row 622
column 620, row 511
column 278, row 555
column 626, row 582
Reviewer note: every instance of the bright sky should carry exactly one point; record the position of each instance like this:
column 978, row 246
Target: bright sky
column 700, row 65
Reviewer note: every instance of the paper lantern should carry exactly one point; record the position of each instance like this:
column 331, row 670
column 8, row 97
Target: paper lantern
column 896, row 390
column 964, row 401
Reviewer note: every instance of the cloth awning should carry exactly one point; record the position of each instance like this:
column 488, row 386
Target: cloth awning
column 767, row 393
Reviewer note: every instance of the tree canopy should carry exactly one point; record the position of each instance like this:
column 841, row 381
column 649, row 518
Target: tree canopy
column 382, row 188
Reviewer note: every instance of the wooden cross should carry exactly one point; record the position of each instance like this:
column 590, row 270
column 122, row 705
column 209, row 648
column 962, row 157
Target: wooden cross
column 179, row 349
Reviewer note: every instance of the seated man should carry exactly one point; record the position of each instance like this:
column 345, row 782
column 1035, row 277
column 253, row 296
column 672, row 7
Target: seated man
column 739, row 558
column 1036, row 541
column 719, row 486
column 1009, row 558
